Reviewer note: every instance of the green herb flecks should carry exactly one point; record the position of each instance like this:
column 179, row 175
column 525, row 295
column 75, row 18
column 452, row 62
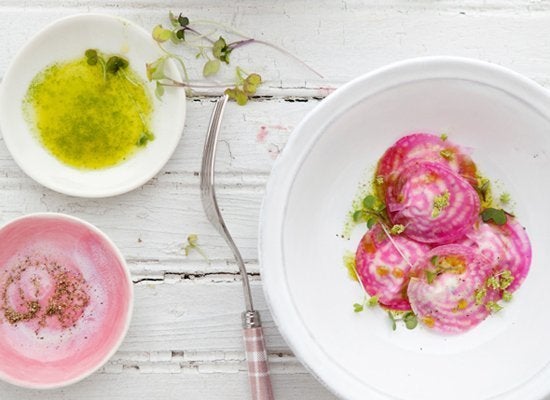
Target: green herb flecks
column 493, row 307
column 483, row 189
column 430, row 276
column 505, row 199
column 479, row 295
column 506, row 296
column 440, row 202
column 446, row 154
column 397, row 229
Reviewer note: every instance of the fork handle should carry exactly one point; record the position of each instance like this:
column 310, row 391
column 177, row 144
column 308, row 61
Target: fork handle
column 258, row 369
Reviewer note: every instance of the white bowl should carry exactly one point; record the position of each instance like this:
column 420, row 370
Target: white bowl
column 67, row 39
column 505, row 119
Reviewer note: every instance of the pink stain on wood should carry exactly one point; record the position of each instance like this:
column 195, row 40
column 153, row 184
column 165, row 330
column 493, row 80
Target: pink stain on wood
column 262, row 134
column 326, row 90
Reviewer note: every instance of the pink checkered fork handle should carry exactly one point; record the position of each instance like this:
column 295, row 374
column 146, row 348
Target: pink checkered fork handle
column 258, row 369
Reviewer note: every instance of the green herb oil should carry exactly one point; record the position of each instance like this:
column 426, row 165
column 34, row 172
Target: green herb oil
column 87, row 116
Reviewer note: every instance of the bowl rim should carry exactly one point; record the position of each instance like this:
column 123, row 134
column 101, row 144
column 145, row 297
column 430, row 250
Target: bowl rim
column 288, row 164
column 11, row 72
column 129, row 312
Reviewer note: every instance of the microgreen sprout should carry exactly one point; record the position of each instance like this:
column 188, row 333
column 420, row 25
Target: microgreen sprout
column 409, row 319
column 372, row 211
column 444, row 136
column 370, row 302
column 193, row 244
column 213, row 49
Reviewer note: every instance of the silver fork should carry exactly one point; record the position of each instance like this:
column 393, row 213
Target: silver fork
column 256, row 354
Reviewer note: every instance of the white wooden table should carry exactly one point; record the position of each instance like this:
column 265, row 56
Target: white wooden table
column 185, row 338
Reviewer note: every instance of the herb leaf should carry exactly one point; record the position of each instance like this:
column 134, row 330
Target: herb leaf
column 91, row 56
column 358, row 307
column 497, row 216
column 371, row 221
column 221, row 51
column 211, row 67
column 369, row 201
column 410, row 320
column 160, row 34
column 115, row 64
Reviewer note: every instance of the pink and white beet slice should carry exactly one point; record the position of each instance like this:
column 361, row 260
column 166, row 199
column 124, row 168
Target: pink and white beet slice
column 383, row 266
column 442, row 291
column 426, row 147
column 506, row 246
column 412, row 201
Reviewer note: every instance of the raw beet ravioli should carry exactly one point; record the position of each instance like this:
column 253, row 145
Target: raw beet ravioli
column 444, row 261
column 383, row 266
column 427, row 147
column 442, row 292
column 506, row 246
column 434, row 203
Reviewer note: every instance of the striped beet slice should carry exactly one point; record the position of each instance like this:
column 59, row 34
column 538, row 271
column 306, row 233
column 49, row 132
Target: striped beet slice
column 383, row 270
column 434, row 203
column 425, row 147
column 442, row 289
column 507, row 246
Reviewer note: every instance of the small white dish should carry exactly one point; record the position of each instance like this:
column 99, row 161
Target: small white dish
column 505, row 118
column 68, row 39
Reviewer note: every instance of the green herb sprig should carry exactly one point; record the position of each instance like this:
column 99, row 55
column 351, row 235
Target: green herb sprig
column 372, row 211
column 409, row 319
column 371, row 301
column 214, row 51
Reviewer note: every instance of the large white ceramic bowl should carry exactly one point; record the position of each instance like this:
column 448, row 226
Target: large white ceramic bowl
column 505, row 119
column 68, row 39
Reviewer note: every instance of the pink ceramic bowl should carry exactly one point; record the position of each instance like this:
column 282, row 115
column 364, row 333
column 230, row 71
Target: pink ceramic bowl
column 65, row 300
